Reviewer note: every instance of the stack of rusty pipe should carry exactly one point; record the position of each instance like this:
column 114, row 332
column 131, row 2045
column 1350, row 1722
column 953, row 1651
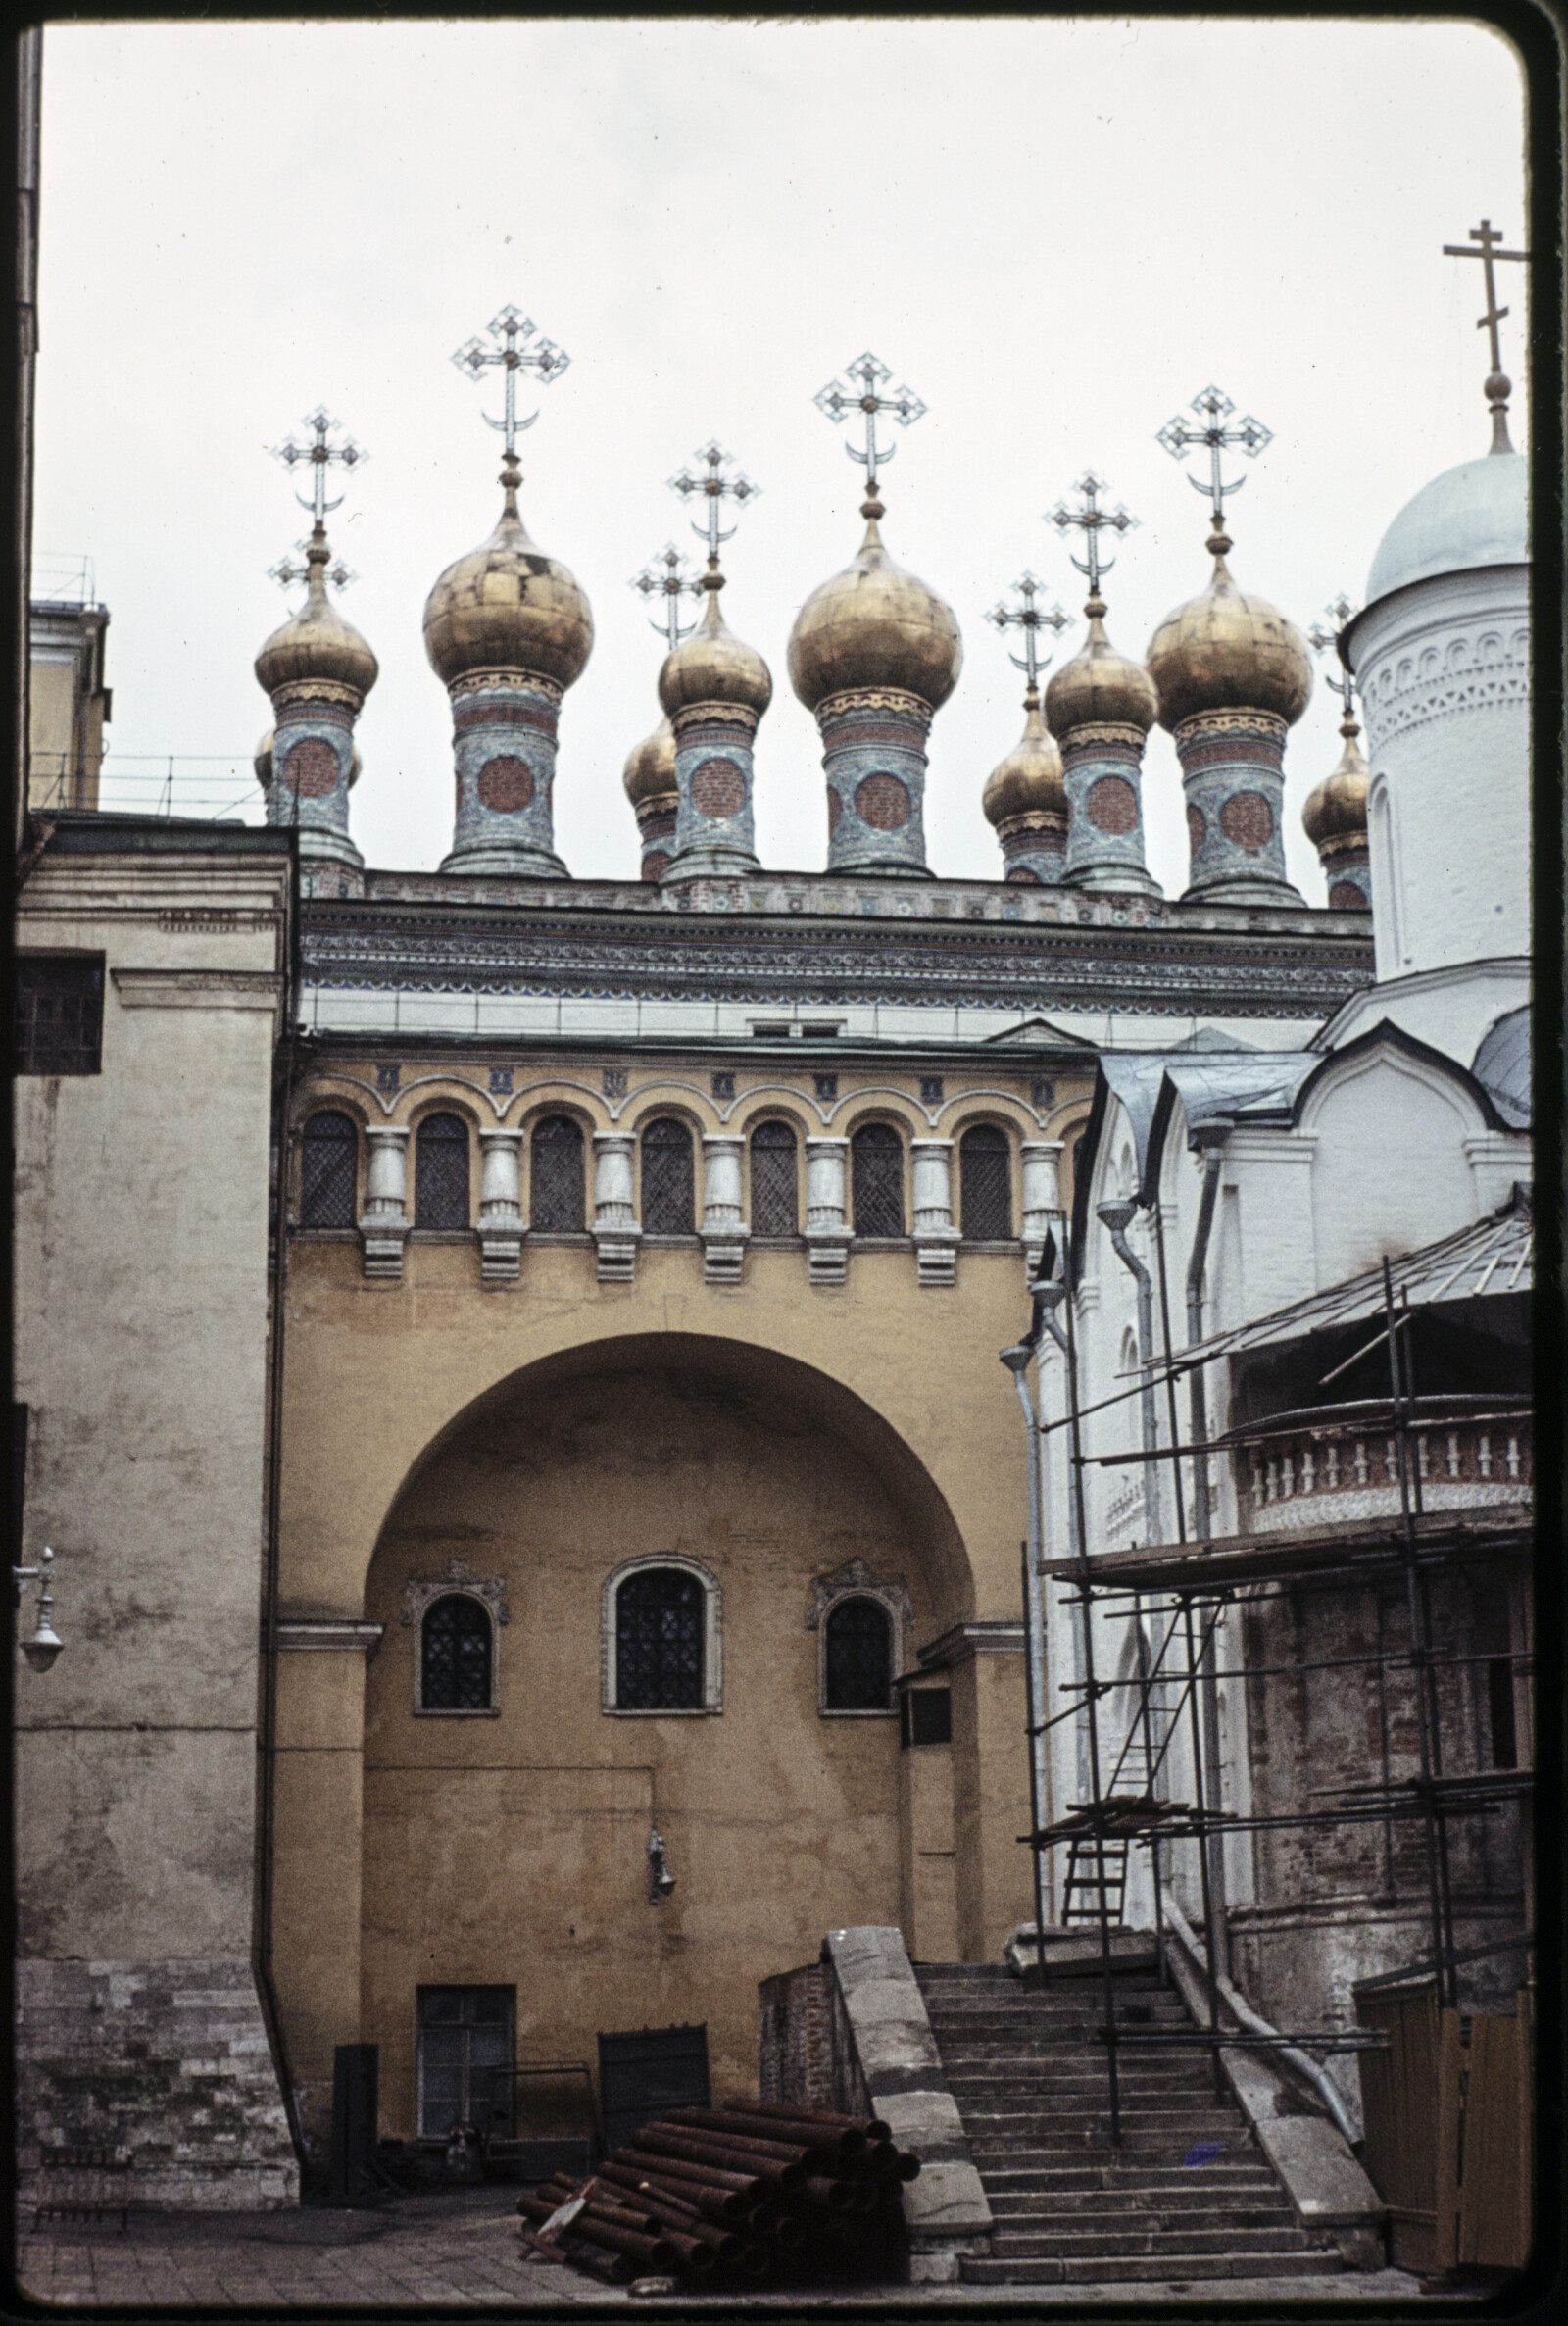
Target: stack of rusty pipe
column 730, row 2194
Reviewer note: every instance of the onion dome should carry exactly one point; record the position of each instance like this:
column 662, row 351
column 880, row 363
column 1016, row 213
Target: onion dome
column 506, row 605
column 651, row 768
column 713, row 666
column 1100, row 684
column 1337, row 809
column 1475, row 514
column 316, row 642
column 263, row 761
column 1029, row 779
column 1227, row 651
column 874, row 626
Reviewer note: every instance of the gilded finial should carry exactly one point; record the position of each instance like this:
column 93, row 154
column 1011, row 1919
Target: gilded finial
column 1499, row 386
column 1321, row 640
column 511, row 334
column 722, row 482
column 1249, row 435
column 1031, row 619
column 1091, row 521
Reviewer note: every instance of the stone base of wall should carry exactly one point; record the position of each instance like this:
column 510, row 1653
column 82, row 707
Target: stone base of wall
column 163, row 2070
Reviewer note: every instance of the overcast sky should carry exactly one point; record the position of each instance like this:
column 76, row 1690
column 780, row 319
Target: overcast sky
column 1057, row 234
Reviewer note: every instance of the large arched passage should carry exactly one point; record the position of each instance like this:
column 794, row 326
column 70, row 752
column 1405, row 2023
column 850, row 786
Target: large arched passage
column 505, row 1843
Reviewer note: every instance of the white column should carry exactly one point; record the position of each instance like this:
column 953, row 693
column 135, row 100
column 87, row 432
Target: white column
column 935, row 1236
column 385, row 1228
column 1042, row 1192
column 827, row 1235
column 500, row 1228
column 616, row 1232
column 723, row 1237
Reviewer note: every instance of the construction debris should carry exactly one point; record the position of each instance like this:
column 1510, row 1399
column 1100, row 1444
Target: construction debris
column 728, row 2196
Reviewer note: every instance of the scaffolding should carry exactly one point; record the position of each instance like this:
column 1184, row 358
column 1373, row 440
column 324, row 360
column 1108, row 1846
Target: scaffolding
column 1183, row 1590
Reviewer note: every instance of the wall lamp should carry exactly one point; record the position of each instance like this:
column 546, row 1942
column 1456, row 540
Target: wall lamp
column 43, row 1643
column 661, row 1881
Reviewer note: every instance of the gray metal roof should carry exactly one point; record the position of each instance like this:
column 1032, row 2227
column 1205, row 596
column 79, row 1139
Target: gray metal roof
column 1501, row 1065
column 1475, row 514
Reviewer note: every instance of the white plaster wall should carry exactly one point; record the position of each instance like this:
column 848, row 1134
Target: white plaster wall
column 1389, row 1171
column 1444, row 672
column 1449, row 1009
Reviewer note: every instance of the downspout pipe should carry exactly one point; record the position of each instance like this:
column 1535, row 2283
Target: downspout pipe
column 1208, row 1137
column 1117, row 1218
column 1247, row 2018
column 1049, row 1298
column 1017, row 1360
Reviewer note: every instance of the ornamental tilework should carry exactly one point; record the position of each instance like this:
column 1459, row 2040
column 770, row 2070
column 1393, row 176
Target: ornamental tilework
column 1233, row 774
column 874, row 756
column 1102, row 773
column 504, row 749
column 713, row 830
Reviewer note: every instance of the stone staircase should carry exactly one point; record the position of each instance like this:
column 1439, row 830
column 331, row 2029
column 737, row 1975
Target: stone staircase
column 1029, row 2080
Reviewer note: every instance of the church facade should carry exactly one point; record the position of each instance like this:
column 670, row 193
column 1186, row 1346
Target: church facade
column 634, row 1500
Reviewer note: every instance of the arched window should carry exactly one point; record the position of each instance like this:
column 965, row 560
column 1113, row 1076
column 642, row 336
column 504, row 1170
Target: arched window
column 556, row 1203
column 775, row 1207
column 668, row 1199
column 329, row 1153
column 859, row 1657
column 985, row 1176
column 878, row 1166
column 661, row 1665
column 441, row 1173
column 455, row 1656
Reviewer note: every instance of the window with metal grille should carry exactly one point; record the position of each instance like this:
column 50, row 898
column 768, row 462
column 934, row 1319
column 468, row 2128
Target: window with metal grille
column 330, row 1157
column 776, row 1205
column 876, row 1155
column 556, row 1203
column 669, row 1196
column 859, row 1657
column 455, row 1657
column 59, row 1013
column 985, row 1177
column 659, row 1642
column 441, row 1173
column 465, row 2037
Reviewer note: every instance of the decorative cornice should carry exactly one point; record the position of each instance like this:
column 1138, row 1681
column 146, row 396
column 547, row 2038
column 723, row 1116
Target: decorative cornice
column 197, row 989
column 1230, row 722
column 329, row 1631
column 875, row 698
column 1098, row 734
column 498, row 678
column 962, row 1641
column 422, row 1592
column 739, row 715
column 854, row 1580
column 301, row 693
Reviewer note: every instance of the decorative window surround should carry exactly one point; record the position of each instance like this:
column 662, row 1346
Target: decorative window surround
column 420, row 1595
column 713, row 1639
column 855, row 1581
column 385, row 1226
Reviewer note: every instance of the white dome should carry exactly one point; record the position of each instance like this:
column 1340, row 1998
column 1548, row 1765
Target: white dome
column 1475, row 514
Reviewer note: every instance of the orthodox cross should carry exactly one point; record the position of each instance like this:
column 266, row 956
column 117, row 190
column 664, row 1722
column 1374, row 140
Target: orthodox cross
column 1322, row 639
column 722, row 482
column 1091, row 521
column 865, row 395
column 511, row 330
column 1029, row 619
column 672, row 584
column 286, row 574
column 321, row 455
column 1499, row 385
column 1177, row 436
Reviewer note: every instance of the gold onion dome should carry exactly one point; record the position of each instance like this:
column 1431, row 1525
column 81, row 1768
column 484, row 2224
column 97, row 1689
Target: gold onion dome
column 1228, row 651
column 651, row 768
column 713, row 666
column 1029, row 779
column 1100, row 684
column 874, row 626
column 1337, row 809
column 263, row 761
column 316, row 642
column 508, row 607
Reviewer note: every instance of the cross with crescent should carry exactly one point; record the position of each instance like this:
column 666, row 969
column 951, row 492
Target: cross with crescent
column 1499, row 385
column 511, row 330
column 722, row 482
column 1177, row 436
column 1322, row 639
column 839, row 401
column 672, row 584
column 321, row 455
column 1029, row 619
column 1091, row 521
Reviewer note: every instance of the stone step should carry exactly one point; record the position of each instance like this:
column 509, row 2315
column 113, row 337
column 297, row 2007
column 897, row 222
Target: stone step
column 1186, row 2237
column 1112, row 2268
column 1074, row 2184
column 1071, row 2207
